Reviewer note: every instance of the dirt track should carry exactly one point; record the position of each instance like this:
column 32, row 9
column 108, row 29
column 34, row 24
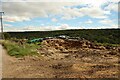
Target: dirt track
column 57, row 62
column 7, row 64
column 27, row 67
column 0, row 61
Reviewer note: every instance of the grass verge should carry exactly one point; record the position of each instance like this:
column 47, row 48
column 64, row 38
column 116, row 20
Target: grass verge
column 17, row 50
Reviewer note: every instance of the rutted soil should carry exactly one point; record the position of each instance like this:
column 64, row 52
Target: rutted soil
column 67, row 59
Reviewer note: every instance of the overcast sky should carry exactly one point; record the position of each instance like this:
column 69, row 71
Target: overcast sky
column 28, row 15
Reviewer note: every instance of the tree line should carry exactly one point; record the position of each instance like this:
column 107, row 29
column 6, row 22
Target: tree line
column 96, row 35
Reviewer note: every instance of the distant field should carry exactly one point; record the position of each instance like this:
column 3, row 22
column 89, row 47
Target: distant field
column 96, row 35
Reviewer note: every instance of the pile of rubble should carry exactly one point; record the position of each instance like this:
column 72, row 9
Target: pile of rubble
column 62, row 48
column 68, row 44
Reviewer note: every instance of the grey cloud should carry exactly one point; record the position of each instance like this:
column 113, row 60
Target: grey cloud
column 44, row 9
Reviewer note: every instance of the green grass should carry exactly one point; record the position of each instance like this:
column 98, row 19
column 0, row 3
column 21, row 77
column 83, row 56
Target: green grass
column 17, row 50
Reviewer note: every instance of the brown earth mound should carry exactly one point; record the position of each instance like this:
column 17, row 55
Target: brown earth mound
column 68, row 44
column 75, row 44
